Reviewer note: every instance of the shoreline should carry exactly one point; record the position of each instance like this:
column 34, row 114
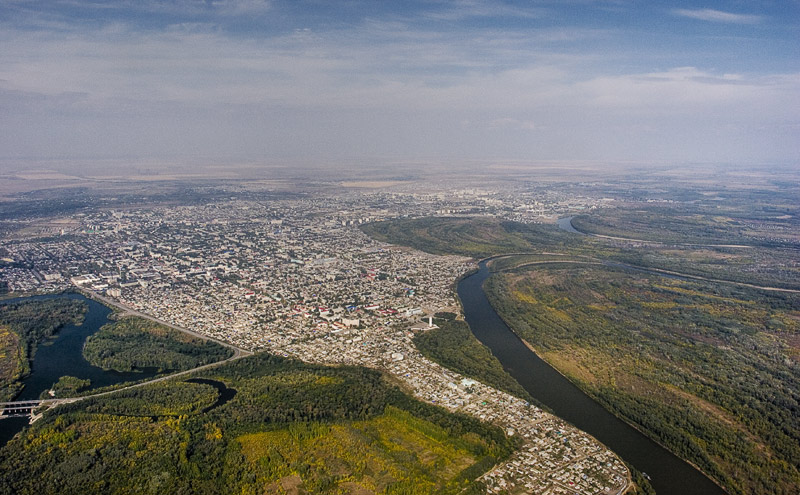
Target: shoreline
column 584, row 391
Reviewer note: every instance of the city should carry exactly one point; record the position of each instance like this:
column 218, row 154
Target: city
column 298, row 278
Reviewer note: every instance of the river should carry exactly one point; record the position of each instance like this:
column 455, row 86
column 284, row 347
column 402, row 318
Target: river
column 670, row 475
column 225, row 393
column 63, row 355
column 566, row 224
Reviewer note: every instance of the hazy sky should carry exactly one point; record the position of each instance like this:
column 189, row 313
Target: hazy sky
column 257, row 80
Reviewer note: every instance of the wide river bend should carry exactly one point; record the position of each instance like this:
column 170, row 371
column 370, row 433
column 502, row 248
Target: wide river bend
column 670, row 475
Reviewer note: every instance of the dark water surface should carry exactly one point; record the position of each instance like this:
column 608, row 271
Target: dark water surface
column 63, row 355
column 670, row 475
column 225, row 393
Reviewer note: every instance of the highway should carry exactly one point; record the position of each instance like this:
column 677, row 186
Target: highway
column 238, row 351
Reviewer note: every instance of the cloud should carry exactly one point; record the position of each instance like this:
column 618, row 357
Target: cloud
column 82, row 10
column 712, row 15
column 694, row 95
column 375, row 86
column 502, row 124
column 242, row 7
column 464, row 9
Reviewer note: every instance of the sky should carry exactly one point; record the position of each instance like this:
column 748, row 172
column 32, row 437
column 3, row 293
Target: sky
column 265, row 81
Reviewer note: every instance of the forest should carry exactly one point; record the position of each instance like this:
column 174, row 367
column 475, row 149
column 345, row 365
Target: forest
column 759, row 221
column 289, row 425
column 453, row 346
column 708, row 370
column 24, row 326
column 66, row 386
column 478, row 237
column 132, row 343
column 757, row 245
column 771, row 264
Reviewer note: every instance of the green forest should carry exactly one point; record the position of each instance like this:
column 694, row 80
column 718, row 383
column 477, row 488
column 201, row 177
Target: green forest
column 280, row 426
column 24, row 326
column 765, row 263
column 769, row 222
column 453, row 346
column 478, row 237
column 66, row 386
column 132, row 343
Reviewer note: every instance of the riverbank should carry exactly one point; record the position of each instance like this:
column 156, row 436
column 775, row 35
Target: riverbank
column 670, row 475
column 63, row 356
column 635, row 427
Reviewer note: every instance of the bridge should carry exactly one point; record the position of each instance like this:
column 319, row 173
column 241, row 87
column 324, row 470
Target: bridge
column 26, row 408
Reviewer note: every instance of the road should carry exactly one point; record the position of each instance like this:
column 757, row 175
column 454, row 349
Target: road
column 164, row 378
column 238, row 351
column 242, row 353
column 657, row 271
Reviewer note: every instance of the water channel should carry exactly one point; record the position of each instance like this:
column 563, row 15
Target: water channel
column 62, row 356
column 670, row 475
column 225, row 393
column 566, row 224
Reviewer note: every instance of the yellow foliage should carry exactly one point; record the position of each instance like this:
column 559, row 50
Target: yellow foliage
column 372, row 453
column 213, row 432
column 697, row 293
column 524, row 297
column 660, row 305
column 558, row 314
column 551, row 311
column 328, row 380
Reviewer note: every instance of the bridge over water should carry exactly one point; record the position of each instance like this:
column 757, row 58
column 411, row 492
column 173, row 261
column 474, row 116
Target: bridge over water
column 26, row 408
